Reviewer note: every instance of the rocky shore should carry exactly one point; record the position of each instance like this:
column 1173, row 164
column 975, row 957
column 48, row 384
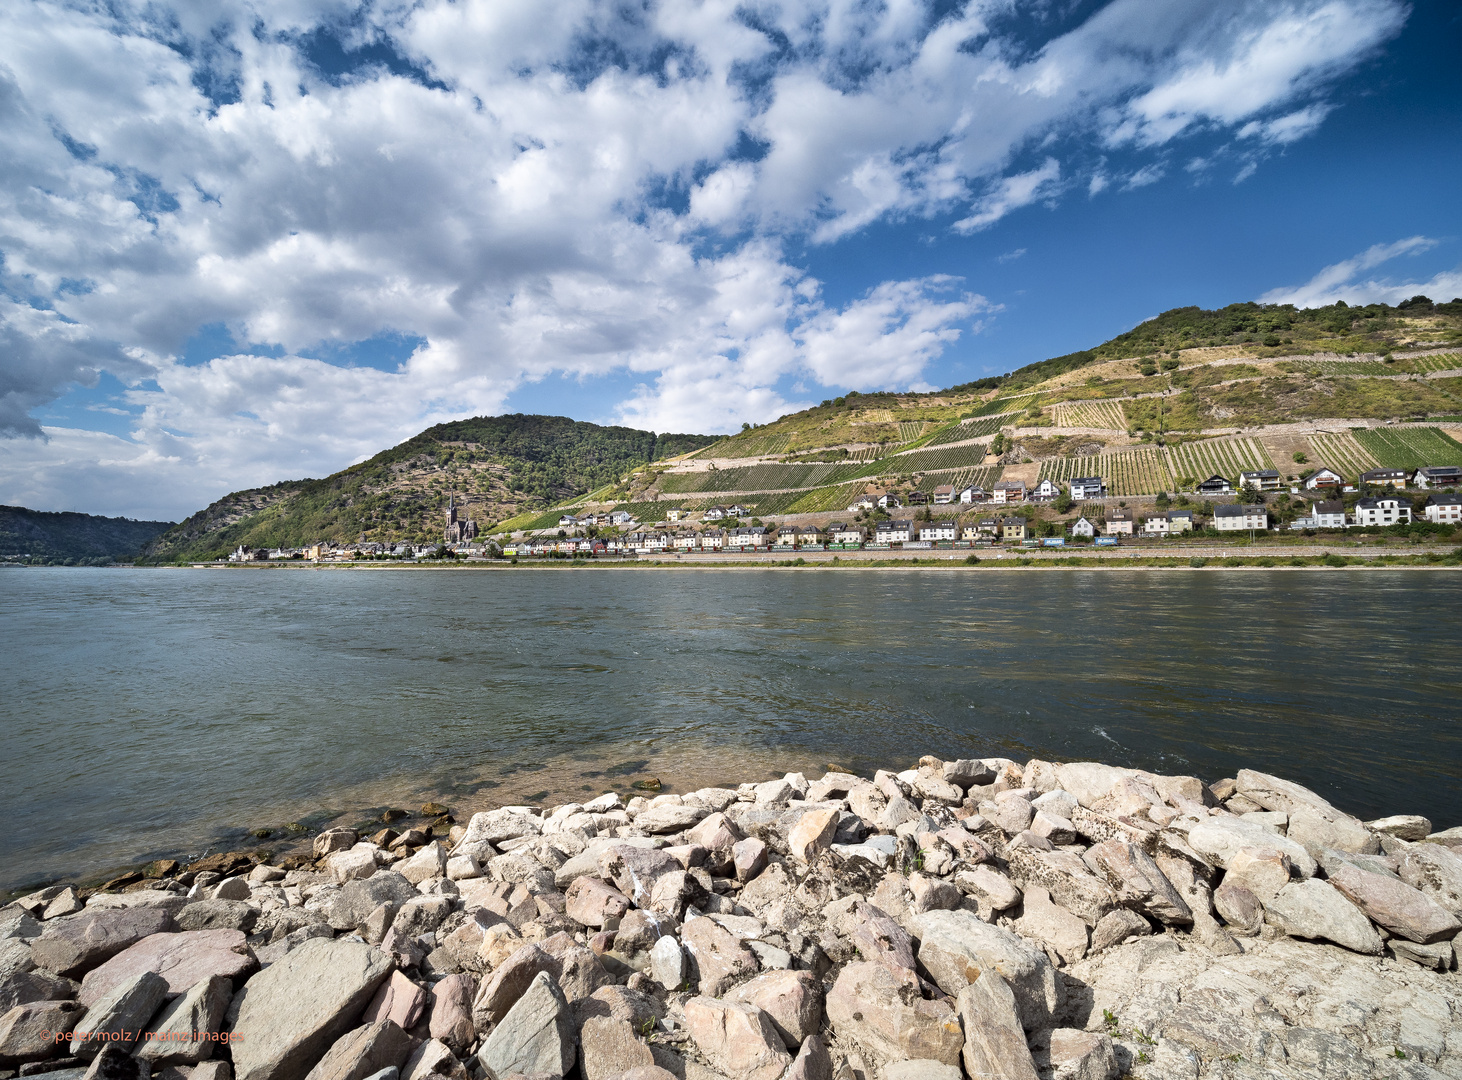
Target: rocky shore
column 977, row 918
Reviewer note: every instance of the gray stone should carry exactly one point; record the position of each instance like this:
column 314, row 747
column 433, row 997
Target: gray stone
column 536, row 1036
column 365, row 1052
column 357, row 899
column 966, row 772
column 587, row 861
column 235, row 888
column 634, row 870
column 24, row 987
column 1240, row 907
column 1138, row 882
column 591, row 902
column 121, row 1015
column 955, row 946
column 669, row 819
column 1434, row 869
column 667, row 963
column 1052, row 925
column 289, row 1014
column 357, row 864
column 497, row 826
column 1058, row 830
column 878, row 936
column 989, row 888
column 1080, row 1055
column 920, row 1069
column 994, row 1044
column 429, row 862
column 333, row 840
column 1008, row 812
column 432, row 1058
column 1404, row 911
column 173, row 1037
column 1316, row 909
column 1088, row 781
column 931, row 894
column 1315, row 832
column 718, row 959
column 608, row 1048
column 510, row 981
column 74, row 945
column 218, row 914
column 1116, row 927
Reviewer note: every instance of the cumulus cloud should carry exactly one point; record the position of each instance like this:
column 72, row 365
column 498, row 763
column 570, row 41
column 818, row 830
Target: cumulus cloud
column 1344, row 281
column 586, row 188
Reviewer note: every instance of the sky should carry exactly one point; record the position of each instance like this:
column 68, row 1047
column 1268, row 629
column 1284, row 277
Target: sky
column 249, row 241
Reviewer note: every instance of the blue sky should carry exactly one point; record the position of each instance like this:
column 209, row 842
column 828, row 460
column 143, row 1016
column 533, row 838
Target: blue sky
column 252, row 241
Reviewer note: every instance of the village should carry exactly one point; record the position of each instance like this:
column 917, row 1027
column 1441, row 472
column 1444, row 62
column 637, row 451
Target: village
column 1011, row 513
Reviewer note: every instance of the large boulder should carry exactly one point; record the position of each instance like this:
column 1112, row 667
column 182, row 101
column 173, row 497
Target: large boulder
column 1316, row 833
column 738, row 1039
column 510, row 980
column 994, row 1036
column 355, row 901
column 609, row 1048
column 792, row 1001
column 591, row 902
column 451, row 1011
column 289, row 1014
column 120, row 1015
column 812, row 834
column 34, row 1031
column 1052, row 925
column 496, row 826
column 74, row 945
column 182, row 959
column 536, row 1036
column 718, row 958
column 1434, row 869
column 956, row 946
column 180, row 1034
column 634, row 870
column 1138, row 882
column 670, row 818
column 880, row 1009
column 1219, row 839
column 1089, row 781
column 364, row 1052
column 1401, row 909
column 1316, row 909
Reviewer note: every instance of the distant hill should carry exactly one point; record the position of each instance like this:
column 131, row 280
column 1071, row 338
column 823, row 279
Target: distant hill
column 495, row 467
column 38, row 536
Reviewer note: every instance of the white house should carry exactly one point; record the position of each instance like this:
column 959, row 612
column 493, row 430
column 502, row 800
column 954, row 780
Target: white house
column 1323, row 477
column 1009, row 491
column 620, row 517
column 1382, row 510
column 1438, row 476
column 943, row 494
column 1087, row 487
column 714, row 513
column 1240, row 518
column 1047, row 489
column 1156, row 525
column 1215, row 485
column 713, row 539
column 938, row 530
column 1260, row 479
column 1083, row 527
column 1443, row 509
column 893, row 532
column 1119, row 522
column 1328, row 514
column 889, row 501
column 863, row 502
column 973, row 494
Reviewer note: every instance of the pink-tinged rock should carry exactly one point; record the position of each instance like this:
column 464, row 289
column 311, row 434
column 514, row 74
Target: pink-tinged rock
column 592, row 902
column 1392, row 903
column 792, row 1001
column 74, row 945
column 509, row 981
column 182, row 959
column 1052, row 925
column 994, row 1037
column 880, row 1008
column 688, row 855
column 179, row 1035
column 634, row 870
column 356, row 864
column 1081, row 1055
column 28, row 1032
column 879, row 937
column 738, row 1039
column 451, row 1011
column 933, row 894
column 812, row 834
column 967, row 846
column 333, row 840
column 1238, row 905
column 433, row 1059
column 364, row 1052
column 715, row 833
column 399, row 1000
column 812, row 1062
column 719, row 959
column 749, row 857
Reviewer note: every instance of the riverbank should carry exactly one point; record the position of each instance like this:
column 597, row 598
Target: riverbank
column 972, row 917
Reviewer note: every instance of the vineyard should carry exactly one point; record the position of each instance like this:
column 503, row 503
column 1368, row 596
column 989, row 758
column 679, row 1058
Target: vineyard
column 754, row 478
column 1345, row 368
column 1218, row 457
column 909, row 430
column 970, row 429
column 1127, row 472
column 985, row 476
column 824, row 500
column 955, row 457
column 1445, row 362
column 1410, row 447
column 1340, row 452
column 747, row 446
column 1090, row 414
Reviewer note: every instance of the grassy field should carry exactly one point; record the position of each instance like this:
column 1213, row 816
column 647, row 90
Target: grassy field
column 1341, row 452
column 1141, row 471
column 1092, row 414
column 1409, row 448
column 748, row 446
column 1222, row 457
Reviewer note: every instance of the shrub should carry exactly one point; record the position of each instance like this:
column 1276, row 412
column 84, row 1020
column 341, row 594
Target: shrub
column 971, row 560
column 1197, row 562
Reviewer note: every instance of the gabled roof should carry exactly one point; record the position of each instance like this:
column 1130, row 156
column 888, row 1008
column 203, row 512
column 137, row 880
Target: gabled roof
column 1260, row 472
column 1444, row 500
column 1329, row 506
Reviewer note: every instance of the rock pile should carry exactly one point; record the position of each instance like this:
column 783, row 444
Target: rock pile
column 974, row 918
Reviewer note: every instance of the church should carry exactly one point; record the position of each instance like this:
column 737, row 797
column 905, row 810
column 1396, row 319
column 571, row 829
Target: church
column 458, row 530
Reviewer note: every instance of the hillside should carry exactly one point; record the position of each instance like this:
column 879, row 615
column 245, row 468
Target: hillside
column 494, row 467
column 41, row 537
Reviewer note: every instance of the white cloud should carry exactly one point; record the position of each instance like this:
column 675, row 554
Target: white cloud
column 1148, row 174
column 1010, row 256
column 527, row 207
column 1012, row 193
column 1342, row 280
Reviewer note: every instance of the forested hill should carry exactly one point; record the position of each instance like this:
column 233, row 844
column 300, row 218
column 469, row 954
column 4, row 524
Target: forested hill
column 495, row 467
column 38, row 536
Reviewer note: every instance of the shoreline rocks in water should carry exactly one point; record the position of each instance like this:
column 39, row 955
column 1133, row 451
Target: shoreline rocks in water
column 975, row 918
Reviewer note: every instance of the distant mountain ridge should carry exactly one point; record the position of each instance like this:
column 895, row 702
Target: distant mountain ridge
column 68, row 538
column 493, row 467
